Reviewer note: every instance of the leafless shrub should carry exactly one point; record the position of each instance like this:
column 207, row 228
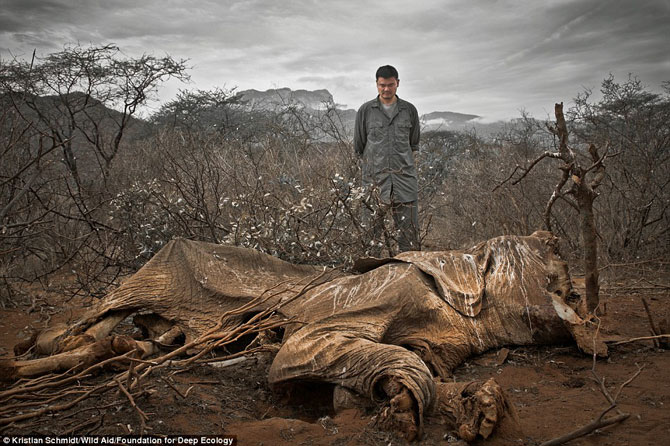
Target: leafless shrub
column 633, row 210
column 274, row 195
column 286, row 181
column 65, row 120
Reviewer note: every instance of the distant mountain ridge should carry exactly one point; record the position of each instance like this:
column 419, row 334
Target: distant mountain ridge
column 276, row 97
column 451, row 116
column 319, row 100
column 446, row 120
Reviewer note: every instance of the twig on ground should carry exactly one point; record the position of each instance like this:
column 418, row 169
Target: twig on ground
column 600, row 421
column 592, row 426
column 143, row 416
column 37, row 401
column 98, row 408
column 643, row 338
column 173, row 387
column 97, row 426
column 654, row 329
column 72, row 430
column 131, row 369
column 57, row 408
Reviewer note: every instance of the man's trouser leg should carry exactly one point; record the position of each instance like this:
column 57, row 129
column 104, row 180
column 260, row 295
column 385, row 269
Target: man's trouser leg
column 406, row 218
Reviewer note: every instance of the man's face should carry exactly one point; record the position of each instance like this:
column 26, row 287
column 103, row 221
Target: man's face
column 386, row 87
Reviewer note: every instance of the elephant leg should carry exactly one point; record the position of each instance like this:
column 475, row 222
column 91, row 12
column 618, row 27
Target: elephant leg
column 78, row 358
column 58, row 339
column 348, row 356
column 96, row 332
column 89, row 353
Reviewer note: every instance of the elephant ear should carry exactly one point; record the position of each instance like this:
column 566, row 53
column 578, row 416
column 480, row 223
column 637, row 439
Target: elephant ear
column 459, row 277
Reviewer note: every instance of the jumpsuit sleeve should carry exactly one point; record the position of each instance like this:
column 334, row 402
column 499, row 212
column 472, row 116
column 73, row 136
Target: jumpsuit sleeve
column 360, row 132
column 415, row 131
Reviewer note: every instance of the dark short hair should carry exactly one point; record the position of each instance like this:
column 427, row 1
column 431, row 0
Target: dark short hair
column 387, row 71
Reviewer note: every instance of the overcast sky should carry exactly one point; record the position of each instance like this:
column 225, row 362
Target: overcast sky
column 485, row 57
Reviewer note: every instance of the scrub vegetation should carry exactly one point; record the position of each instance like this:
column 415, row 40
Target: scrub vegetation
column 88, row 187
column 92, row 184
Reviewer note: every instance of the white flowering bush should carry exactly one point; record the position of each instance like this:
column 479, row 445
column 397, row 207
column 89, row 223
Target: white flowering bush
column 208, row 167
column 280, row 191
column 144, row 218
column 319, row 223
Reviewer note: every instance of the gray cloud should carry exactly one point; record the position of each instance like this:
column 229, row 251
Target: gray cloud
column 490, row 58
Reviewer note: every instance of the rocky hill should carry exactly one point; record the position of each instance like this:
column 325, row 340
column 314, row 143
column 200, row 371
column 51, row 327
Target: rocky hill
column 273, row 98
column 319, row 100
column 447, row 120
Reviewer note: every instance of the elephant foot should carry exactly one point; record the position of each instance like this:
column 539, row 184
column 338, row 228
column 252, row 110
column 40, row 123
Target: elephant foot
column 400, row 414
column 473, row 409
column 482, row 410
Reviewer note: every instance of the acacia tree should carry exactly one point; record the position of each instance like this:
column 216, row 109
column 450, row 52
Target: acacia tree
column 634, row 209
column 65, row 120
column 202, row 111
column 85, row 96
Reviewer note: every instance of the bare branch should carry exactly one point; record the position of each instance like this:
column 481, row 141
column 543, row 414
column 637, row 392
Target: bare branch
column 587, row 429
column 526, row 170
column 554, row 196
column 537, row 160
column 600, row 421
column 642, row 338
column 566, row 153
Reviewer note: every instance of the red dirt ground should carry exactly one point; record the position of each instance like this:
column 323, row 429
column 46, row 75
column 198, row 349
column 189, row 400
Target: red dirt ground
column 551, row 388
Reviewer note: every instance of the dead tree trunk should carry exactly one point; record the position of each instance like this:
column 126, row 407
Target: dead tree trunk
column 587, row 223
column 580, row 196
column 584, row 193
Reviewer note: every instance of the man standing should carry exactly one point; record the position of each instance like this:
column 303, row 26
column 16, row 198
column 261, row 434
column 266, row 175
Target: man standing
column 385, row 136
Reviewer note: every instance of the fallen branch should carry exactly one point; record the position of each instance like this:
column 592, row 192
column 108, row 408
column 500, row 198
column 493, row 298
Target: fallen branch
column 95, row 421
column 657, row 330
column 57, row 408
column 636, row 287
column 654, row 329
column 600, row 421
column 173, row 387
column 22, row 406
column 143, row 416
column 592, row 426
column 642, row 338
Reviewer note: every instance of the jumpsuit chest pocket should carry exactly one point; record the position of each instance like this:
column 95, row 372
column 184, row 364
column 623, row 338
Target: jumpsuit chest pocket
column 376, row 131
column 403, row 128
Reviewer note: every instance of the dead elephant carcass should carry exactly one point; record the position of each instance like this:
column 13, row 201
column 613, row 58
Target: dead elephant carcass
column 390, row 334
